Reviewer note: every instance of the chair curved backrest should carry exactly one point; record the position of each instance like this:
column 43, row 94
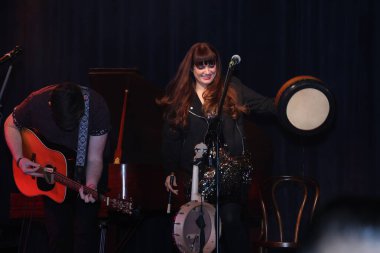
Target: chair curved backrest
column 287, row 205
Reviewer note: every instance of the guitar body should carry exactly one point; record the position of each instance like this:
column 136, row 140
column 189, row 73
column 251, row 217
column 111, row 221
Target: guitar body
column 35, row 150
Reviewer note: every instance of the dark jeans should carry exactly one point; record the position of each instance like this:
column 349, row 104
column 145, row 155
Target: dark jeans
column 72, row 226
column 234, row 234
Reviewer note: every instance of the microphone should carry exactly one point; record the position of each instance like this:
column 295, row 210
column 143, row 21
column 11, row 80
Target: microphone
column 10, row 54
column 235, row 59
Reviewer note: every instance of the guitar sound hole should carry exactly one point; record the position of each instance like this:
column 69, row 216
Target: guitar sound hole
column 42, row 183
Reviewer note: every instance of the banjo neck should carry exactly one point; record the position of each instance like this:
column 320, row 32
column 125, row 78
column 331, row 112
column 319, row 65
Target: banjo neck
column 195, row 196
column 200, row 149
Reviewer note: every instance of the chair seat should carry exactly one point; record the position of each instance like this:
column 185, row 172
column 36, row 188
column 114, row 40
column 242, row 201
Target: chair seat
column 270, row 244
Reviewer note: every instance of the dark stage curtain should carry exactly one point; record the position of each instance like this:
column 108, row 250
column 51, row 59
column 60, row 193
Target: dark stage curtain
column 334, row 40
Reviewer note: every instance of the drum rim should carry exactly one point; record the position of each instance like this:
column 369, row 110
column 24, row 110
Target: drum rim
column 294, row 85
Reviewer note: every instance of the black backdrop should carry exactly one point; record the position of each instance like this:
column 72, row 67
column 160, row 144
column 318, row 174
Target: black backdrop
column 337, row 41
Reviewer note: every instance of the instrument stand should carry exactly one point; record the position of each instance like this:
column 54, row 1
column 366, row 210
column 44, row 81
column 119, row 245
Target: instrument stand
column 213, row 151
column 131, row 231
column 200, row 221
column 103, row 231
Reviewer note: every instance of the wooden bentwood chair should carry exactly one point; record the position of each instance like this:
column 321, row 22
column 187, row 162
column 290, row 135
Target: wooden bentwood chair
column 287, row 206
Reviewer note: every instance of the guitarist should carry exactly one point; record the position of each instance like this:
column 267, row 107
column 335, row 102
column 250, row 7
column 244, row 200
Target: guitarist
column 66, row 114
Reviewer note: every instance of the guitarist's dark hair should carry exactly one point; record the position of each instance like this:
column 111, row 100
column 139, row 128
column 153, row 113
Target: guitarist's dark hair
column 67, row 105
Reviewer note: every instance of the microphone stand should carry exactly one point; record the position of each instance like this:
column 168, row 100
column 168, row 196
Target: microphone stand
column 3, row 88
column 216, row 142
column 3, row 59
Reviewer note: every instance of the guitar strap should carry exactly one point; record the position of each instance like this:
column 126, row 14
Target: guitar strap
column 83, row 136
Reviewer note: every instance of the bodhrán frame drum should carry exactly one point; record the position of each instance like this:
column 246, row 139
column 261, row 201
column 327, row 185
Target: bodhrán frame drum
column 305, row 106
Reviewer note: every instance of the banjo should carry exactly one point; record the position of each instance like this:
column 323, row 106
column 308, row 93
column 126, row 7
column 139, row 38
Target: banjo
column 187, row 232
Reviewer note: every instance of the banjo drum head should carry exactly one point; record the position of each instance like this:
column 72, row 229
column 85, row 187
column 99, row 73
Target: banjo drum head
column 186, row 232
column 304, row 105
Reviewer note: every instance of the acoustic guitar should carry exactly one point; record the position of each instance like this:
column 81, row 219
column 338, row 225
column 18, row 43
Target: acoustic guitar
column 54, row 168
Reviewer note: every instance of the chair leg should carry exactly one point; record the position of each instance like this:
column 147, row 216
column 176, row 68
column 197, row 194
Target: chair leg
column 258, row 250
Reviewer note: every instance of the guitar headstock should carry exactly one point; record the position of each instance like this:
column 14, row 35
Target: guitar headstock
column 120, row 205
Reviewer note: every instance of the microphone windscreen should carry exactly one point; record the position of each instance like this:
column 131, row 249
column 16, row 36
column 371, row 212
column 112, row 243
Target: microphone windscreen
column 236, row 58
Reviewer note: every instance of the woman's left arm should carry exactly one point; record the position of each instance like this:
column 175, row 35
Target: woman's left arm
column 253, row 100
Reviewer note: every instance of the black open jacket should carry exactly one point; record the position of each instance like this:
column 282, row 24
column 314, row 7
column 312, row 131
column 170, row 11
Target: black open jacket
column 178, row 143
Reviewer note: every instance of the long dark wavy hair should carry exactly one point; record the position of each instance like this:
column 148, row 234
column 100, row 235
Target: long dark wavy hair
column 180, row 89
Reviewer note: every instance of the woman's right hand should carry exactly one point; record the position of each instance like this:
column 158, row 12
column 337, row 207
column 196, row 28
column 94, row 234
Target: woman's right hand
column 169, row 186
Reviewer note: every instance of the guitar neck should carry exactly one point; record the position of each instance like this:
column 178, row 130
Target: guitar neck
column 118, row 205
column 75, row 185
